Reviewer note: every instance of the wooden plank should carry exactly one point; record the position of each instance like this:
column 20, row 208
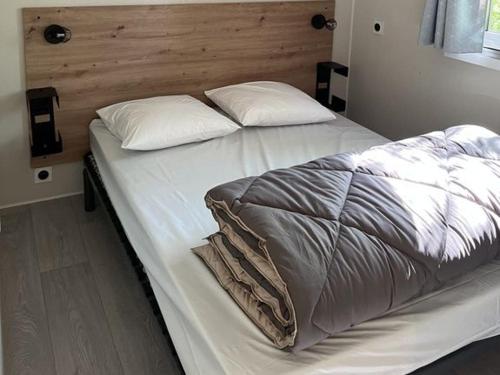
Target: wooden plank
column 27, row 347
column 80, row 334
column 84, row 217
column 119, row 53
column 127, row 309
column 57, row 234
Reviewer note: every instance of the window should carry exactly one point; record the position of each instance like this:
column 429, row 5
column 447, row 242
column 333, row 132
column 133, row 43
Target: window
column 490, row 58
column 492, row 37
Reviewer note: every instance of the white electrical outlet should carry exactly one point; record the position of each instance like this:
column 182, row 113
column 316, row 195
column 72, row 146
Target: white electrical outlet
column 42, row 175
column 378, row 27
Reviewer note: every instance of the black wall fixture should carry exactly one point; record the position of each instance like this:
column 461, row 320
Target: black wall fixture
column 323, row 89
column 44, row 137
column 319, row 21
column 55, row 34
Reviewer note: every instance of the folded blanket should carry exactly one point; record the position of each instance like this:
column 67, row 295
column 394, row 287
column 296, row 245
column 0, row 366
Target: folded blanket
column 312, row 250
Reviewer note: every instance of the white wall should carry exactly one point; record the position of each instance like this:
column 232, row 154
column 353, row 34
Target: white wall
column 342, row 43
column 400, row 89
column 16, row 176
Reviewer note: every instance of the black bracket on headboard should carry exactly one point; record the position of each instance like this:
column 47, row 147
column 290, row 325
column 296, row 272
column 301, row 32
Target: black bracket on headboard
column 44, row 137
column 323, row 84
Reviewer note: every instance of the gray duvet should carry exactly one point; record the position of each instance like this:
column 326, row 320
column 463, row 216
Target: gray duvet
column 312, row 250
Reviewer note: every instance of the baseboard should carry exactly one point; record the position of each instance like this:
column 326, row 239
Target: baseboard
column 41, row 200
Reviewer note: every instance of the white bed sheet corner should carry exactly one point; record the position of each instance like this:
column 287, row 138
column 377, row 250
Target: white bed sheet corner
column 158, row 197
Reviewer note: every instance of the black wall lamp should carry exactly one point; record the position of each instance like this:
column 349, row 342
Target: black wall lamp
column 55, row 34
column 319, row 21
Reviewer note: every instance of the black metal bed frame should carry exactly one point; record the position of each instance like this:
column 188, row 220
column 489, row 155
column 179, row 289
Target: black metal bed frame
column 92, row 183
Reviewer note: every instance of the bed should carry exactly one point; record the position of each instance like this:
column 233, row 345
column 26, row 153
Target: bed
column 158, row 198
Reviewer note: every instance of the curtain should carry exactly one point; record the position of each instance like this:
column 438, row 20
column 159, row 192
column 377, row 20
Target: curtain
column 456, row 26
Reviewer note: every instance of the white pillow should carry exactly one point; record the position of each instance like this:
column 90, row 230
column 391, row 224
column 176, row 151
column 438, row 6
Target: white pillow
column 164, row 121
column 269, row 104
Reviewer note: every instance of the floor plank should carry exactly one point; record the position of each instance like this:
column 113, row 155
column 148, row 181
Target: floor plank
column 127, row 309
column 80, row 334
column 84, row 217
column 27, row 347
column 57, row 234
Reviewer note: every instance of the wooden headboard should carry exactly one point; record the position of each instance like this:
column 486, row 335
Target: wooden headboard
column 119, row 53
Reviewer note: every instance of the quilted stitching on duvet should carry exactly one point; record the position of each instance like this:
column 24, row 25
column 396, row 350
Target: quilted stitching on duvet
column 356, row 235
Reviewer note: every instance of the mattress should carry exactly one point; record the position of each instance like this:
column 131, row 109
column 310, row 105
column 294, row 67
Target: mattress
column 158, row 197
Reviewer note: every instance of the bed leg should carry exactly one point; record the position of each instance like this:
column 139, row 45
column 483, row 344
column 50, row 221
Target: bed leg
column 88, row 192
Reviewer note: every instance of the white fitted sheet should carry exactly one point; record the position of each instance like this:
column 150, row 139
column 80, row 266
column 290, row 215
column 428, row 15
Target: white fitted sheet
column 158, row 196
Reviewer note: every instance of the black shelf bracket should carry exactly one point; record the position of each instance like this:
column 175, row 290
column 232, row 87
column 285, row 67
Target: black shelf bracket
column 45, row 139
column 323, row 84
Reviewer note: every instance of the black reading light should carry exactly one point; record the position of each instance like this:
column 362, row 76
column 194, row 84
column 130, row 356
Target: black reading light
column 44, row 137
column 55, row 34
column 319, row 21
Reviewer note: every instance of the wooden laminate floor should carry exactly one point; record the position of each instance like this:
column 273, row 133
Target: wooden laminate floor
column 70, row 300
column 71, row 303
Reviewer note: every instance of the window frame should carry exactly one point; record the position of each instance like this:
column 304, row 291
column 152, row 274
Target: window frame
column 492, row 41
column 490, row 56
column 491, row 38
